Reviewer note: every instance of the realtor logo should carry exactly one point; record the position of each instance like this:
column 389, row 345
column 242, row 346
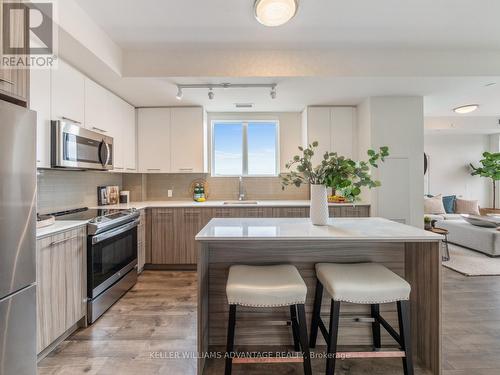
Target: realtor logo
column 28, row 35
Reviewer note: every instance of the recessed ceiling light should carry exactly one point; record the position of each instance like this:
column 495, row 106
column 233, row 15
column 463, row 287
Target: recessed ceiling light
column 490, row 84
column 466, row 108
column 275, row 12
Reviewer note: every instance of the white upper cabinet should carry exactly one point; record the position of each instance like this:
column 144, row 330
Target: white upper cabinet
column 99, row 109
column 130, row 142
column 40, row 102
column 153, row 143
column 110, row 115
column 333, row 128
column 187, row 140
column 68, row 94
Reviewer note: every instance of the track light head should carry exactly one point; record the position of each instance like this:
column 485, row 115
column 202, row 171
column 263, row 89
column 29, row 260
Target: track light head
column 211, row 94
column 273, row 92
column 179, row 93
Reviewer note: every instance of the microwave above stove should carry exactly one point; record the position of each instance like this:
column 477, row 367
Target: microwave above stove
column 75, row 147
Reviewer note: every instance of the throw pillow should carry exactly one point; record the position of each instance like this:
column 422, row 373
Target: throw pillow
column 434, row 205
column 464, row 206
column 449, row 204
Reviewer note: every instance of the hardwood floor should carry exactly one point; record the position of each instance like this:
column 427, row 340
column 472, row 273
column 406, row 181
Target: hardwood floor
column 158, row 316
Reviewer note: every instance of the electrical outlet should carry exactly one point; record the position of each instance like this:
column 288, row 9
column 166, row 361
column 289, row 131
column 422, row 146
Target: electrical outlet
column 170, row 193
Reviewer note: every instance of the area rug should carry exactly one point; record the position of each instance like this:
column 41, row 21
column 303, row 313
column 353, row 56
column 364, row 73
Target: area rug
column 472, row 263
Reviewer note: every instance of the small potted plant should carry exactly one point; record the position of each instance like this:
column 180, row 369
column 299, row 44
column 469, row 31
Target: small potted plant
column 427, row 223
column 334, row 171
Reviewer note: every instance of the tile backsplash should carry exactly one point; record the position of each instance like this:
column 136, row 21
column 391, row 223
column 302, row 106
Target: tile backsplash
column 60, row 190
column 154, row 187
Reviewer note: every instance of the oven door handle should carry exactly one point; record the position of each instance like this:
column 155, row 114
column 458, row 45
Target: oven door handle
column 115, row 232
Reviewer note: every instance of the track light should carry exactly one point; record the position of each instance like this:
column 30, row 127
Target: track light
column 211, row 94
column 179, row 93
column 273, row 92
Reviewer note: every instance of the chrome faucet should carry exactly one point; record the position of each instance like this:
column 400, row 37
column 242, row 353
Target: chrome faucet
column 241, row 195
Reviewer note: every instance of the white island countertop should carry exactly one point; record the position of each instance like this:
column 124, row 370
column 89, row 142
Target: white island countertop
column 338, row 229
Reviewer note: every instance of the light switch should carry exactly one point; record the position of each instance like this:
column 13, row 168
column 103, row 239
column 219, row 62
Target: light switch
column 170, row 193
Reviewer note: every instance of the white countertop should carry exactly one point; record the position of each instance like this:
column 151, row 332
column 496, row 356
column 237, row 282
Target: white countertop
column 59, row 226
column 220, row 203
column 342, row 229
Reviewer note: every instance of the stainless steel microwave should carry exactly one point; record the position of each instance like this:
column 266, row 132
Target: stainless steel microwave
column 78, row 148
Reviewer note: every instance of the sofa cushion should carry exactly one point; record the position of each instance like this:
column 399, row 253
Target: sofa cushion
column 449, row 203
column 464, row 206
column 434, row 205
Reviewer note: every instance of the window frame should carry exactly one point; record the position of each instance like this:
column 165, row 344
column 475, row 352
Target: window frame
column 244, row 150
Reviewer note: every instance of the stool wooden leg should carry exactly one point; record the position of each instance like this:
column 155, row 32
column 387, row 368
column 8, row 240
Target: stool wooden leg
column 230, row 339
column 375, row 312
column 333, row 334
column 404, row 333
column 303, row 339
column 316, row 314
column 295, row 328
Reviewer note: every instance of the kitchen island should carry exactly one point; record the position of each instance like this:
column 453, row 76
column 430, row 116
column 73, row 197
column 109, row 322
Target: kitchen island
column 410, row 252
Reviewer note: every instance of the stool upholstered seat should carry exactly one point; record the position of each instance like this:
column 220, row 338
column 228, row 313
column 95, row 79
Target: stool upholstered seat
column 265, row 286
column 362, row 283
column 268, row 286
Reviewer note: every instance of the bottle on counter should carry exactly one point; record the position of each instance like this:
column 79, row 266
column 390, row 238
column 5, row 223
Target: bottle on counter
column 196, row 194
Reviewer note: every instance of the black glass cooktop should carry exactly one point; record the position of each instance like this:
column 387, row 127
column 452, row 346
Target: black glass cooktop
column 88, row 214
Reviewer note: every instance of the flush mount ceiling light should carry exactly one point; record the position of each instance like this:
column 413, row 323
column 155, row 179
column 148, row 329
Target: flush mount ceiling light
column 211, row 87
column 275, row 12
column 466, row 108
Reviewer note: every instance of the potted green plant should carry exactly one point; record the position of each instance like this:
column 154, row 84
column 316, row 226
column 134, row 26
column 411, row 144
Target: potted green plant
column 427, row 223
column 490, row 169
column 334, row 171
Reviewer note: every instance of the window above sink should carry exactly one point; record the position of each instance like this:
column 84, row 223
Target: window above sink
column 245, row 148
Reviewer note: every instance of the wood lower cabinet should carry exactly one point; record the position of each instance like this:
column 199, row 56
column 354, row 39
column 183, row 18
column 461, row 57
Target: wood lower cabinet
column 61, row 284
column 172, row 230
column 141, row 241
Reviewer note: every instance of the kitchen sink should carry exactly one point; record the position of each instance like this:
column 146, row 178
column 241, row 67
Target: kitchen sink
column 240, row 202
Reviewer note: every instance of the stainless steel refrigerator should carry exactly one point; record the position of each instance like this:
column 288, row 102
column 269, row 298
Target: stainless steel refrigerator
column 17, row 240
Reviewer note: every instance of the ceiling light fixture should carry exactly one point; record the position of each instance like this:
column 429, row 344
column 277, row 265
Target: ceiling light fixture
column 466, row 108
column 212, row 86
column 179, row 93
column 211, row 93
column 275, row 12
column 273, row 92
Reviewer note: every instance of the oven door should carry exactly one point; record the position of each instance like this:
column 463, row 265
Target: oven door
column 110, row 256
column 76, row 147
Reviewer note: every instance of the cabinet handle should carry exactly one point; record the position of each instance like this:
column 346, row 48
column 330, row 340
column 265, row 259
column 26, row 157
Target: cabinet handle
column 7, row 81
column 186, row 169
column 99, row 129
column 120, row 168
column 71, row 120
column 131, row 169
column 154, row 169
column 54, row 243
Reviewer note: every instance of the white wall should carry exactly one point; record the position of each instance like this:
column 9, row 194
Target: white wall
column 396, row 122
column 290, row 129
column 449, row 171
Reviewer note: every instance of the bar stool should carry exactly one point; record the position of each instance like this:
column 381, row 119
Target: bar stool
column 369, row 284
column 268, row 286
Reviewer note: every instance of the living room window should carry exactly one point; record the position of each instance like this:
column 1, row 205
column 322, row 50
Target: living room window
column 245, row 148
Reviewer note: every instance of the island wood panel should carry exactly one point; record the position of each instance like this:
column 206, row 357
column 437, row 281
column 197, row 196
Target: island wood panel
column 423, row 272
column 61, row 284
column 222, row 254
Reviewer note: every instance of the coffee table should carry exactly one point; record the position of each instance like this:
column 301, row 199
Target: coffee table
column 443, row 232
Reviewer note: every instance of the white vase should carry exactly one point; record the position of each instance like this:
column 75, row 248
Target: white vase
column 319, row 205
